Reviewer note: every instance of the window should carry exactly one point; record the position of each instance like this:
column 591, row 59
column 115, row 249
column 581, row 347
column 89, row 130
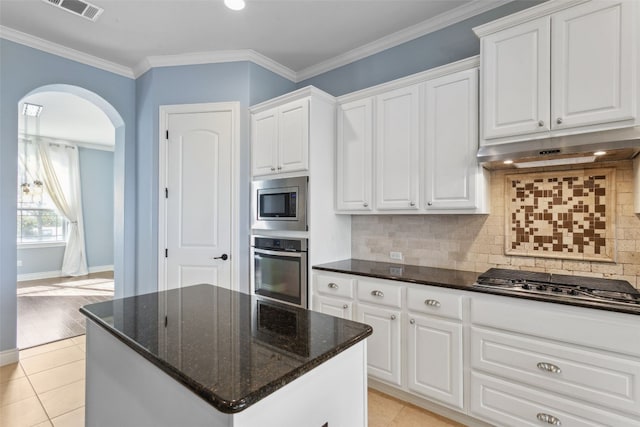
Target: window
column 38, row 220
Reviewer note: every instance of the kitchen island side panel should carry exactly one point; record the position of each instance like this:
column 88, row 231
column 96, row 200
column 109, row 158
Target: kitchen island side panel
column 124, row 389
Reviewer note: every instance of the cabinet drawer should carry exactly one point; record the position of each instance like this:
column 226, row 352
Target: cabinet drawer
column 337, row 286
column 382, row 293
column 503, row 403
column 597, row 377
column 438, row 302
column 605, row 330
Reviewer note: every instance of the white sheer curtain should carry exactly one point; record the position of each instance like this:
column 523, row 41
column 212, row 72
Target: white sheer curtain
column 61, row 176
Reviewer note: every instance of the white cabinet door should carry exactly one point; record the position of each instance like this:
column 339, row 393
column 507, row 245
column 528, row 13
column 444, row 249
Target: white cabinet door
column 383, row 346
column 594, row 75
column 397, row 175
column 354, row 156
column 451, row 141
column 333, row 307
column 264, row 142
column 435, row 359
column 515, row 80
column 293, row 136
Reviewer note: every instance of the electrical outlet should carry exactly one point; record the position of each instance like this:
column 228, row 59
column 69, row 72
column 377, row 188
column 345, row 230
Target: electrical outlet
column 395, row 255
column 19, row 263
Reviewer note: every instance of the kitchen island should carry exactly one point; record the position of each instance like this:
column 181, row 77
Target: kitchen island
column 207, row 356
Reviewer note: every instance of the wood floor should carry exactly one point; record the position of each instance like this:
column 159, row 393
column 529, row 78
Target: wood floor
column 46, row 388
column 48, row 308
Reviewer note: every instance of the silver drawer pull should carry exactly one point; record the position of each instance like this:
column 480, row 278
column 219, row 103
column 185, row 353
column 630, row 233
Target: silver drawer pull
column 548, row 367
column 549, row 419
column 432, row 302
column 393, row 317
column 332, row 285
column 377, row 293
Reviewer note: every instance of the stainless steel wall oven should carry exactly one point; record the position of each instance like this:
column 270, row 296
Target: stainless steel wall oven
column 279, row 269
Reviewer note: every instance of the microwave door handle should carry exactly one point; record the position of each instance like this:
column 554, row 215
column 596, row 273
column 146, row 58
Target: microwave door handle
column 279, row 253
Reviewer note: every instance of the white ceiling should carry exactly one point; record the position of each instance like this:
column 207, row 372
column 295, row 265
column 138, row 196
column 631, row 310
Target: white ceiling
column 297, row 34
column 68, row 117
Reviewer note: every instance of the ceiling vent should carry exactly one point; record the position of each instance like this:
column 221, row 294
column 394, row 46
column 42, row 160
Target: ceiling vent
column 78, row 7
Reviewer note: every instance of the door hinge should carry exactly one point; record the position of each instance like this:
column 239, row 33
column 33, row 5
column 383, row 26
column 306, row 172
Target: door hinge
column 166, row 321
column 166, row 193
column 166, row 253
column 167, row 135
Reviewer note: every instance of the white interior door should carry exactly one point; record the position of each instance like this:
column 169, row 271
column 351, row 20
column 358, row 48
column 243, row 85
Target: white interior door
column 198, row 219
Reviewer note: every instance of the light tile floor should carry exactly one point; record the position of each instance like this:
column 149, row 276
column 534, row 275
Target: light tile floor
column 46, row 388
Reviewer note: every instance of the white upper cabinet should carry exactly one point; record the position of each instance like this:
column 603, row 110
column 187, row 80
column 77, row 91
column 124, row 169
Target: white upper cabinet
column 409, row 146
column 264, row 142
column 451, row 172
column 553, row 70
column 515, row 78
column 280, row 139
column 593, row 75
column 354, row 158
column 397, row 159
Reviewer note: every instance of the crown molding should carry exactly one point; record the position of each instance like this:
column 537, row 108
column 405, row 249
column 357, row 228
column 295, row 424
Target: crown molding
column 212, row 58
column 64, row 52
column 431, row 25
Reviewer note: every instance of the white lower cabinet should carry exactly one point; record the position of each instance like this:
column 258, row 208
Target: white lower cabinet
column 334, row 307
column 434, row 359
column 383, row 346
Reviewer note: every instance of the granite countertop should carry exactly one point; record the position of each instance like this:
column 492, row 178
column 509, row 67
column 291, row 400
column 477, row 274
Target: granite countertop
column 229, row 348
column 456, row 279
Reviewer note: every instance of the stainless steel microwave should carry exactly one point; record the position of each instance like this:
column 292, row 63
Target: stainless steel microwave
column 280, row 204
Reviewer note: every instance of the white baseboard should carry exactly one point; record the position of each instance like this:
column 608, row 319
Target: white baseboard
column 100, row 268
column 9, row 356
column 39, row 275
column 58, row 273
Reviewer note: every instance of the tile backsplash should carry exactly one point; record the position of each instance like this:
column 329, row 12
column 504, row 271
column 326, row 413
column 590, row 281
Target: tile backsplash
column 477, row 242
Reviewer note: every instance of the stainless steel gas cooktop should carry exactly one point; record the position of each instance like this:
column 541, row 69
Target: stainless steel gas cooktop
column 560, row 287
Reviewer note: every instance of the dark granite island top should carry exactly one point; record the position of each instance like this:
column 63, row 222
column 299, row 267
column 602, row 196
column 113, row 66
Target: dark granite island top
column 229, row 348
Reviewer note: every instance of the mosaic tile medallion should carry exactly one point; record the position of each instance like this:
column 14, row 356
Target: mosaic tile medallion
column 564, row 214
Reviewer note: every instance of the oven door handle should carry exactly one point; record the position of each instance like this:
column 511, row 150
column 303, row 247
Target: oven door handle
column 278, row 253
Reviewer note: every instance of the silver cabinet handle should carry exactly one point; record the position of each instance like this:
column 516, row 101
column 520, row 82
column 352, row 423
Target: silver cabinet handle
column 549, row 419
column 393, row 317
column 412, row 321
column 548, row 367
column 429, row 203
column 559, row 120
column 412, row 203
column 432, row 302
column 541, row 123
column 365, row 204
column 273, row 169
column 279, row 167
column 345, row 306
column 333, row 285
column 377, row 293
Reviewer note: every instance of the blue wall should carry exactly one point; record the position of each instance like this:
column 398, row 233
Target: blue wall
column 24, row 70
column 96, row 178
column 441, row 47
column 243, row 82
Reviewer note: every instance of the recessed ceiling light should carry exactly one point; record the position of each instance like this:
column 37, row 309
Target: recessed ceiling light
column 508, row 162
column 600, row 153
column 234, row 4
column 31, row 110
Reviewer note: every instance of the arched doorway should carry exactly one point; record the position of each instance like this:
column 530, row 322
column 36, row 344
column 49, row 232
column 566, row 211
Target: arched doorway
column 118, row 135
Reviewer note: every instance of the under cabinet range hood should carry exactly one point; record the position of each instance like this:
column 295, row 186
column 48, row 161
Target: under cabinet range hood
column 610, row 145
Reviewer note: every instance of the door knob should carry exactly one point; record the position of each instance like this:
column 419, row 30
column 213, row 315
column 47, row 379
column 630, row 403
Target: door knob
column 223, row 257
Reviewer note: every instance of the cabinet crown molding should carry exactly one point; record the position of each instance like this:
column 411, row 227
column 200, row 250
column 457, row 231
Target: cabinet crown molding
column 293, row 96
column 539, row 11
column 443, row 70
